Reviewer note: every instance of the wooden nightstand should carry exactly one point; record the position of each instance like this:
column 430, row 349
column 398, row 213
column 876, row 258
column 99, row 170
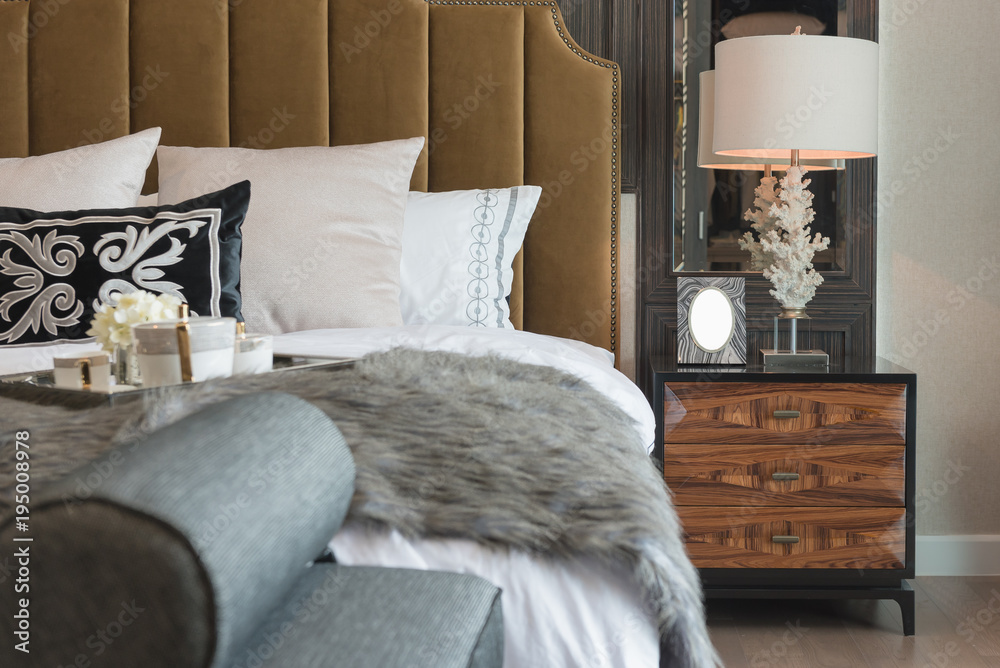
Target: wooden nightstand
column 793, row 484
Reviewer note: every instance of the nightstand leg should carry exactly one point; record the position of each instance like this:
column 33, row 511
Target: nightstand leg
column 907, row 606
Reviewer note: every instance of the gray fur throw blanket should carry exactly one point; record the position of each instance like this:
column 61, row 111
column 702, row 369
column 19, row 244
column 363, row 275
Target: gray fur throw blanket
column 446, row 445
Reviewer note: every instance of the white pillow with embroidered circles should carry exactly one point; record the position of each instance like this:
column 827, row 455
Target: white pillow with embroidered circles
column 458, row 252
column 323, row 236
column 108, row 175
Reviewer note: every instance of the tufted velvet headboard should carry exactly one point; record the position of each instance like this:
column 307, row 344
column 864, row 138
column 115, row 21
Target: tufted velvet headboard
column 502, row 93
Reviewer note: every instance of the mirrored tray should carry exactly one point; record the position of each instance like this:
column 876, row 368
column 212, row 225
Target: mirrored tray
column 39, row 386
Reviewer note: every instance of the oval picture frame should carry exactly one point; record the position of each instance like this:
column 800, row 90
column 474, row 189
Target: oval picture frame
column 721, row 338
column 711, row 319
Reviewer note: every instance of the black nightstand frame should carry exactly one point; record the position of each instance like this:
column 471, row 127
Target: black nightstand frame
column 809, row 583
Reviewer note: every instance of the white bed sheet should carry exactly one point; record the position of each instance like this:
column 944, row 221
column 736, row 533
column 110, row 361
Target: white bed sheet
column 555, row 614
column 578, row 614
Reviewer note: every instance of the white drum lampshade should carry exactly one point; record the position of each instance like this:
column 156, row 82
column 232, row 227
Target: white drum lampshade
column 709, row 160
column 812, row 93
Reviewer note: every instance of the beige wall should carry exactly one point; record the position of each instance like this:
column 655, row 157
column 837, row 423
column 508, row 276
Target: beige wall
column 938, row 301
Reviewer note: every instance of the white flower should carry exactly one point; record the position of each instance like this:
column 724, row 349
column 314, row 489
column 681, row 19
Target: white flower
column 112, row 323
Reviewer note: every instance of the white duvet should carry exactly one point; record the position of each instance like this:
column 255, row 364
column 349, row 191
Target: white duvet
column 555, row 613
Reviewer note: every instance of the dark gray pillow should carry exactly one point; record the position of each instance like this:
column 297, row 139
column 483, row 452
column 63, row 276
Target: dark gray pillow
column 55, row 268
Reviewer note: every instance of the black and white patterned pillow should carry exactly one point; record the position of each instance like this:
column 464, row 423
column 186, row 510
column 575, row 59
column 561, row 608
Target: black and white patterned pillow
column 55, row 268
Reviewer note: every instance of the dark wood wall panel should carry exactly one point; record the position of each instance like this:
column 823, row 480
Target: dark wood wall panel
column 604, row 28
column 639, row 35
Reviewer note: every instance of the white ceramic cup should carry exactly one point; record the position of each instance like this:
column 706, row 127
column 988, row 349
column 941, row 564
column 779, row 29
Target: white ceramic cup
column 160, row 348
column 83, row 371
column 253, row 354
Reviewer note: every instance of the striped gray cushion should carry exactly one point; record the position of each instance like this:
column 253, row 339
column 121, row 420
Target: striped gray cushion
column 363, row 616
column 189, row 540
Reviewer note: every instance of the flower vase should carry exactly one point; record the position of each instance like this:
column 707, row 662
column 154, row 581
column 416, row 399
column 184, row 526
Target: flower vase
column 125, row 366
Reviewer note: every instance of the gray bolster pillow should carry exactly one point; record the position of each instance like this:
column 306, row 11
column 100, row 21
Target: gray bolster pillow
column 194, row 535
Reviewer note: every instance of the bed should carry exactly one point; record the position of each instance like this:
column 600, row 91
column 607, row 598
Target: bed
column 439, row 113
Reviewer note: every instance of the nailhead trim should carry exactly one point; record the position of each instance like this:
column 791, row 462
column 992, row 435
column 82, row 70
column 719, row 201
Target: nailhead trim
column 614, row 130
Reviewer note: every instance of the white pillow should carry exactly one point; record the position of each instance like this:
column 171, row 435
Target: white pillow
column 108, row 175
column 458, row 248
column 323, row 236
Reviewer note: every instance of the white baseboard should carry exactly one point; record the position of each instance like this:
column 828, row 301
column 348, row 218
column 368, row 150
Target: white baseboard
column 958, row 555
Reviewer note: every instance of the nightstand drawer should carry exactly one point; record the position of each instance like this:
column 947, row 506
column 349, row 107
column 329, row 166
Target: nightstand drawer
column 749, row 537
column 781, row 475
column 785, row 413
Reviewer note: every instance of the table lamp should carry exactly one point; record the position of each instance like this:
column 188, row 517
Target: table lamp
column 795, row 97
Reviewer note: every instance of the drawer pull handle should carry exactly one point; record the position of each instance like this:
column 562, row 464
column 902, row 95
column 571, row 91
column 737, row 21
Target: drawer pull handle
column 785, row 415
column 787, row 540
column 784, row 476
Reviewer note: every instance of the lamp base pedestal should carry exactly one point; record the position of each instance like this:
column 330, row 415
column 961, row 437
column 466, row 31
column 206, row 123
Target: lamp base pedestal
column 798, row 354
column 799, row 358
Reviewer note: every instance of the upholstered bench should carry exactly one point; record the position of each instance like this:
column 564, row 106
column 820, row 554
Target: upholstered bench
column 199, row 548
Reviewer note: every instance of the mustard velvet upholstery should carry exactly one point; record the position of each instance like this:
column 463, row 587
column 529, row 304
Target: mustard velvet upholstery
column 77, row 68
column 278, row 65
column 501, row 93
column 161, row 74
column 573, row 153
column 14, row 80
column 379, row 74
column 477, row 100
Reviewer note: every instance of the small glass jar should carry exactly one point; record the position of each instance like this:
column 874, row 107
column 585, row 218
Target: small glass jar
column 254, row 354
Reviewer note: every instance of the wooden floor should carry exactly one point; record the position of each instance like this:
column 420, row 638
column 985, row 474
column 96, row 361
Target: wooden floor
column 958, row 626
